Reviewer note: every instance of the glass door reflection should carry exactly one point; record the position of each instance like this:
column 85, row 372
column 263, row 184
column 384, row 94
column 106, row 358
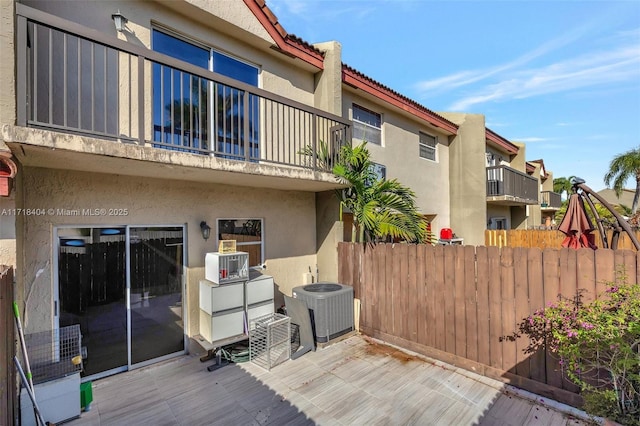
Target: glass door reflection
column 91, row 292
column 155, row 268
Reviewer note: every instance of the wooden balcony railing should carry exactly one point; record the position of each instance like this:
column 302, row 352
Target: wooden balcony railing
column 503, row 181
column 74, row 79
column 550, row 200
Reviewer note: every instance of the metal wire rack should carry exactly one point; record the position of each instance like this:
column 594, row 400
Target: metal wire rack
column 270, row 340
column 53, row 354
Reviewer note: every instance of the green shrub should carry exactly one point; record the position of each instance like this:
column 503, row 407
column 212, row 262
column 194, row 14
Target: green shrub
column 598, row 347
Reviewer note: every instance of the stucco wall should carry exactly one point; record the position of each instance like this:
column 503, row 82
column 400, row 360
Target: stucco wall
column 329, row 232
column 7, row 51
column 328, row 95
column 467, row 176
column 289, row 226
column 400, row 154
column 520, row 216
column 497, row 211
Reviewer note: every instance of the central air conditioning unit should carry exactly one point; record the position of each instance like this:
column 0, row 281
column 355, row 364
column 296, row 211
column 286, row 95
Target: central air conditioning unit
column 331, row 308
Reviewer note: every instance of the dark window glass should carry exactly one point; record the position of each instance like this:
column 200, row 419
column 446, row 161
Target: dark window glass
column 180, row 49
column 235, row 69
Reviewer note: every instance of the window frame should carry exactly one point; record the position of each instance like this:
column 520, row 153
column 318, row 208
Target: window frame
column 250, row 74
column 422, row 144
column 239, row 245
column 366, row 125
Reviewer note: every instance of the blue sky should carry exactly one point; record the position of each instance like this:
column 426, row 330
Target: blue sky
column 562, row 76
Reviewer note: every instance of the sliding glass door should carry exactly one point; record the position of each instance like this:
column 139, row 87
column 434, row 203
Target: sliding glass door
column 155, row 259
column 124, row 286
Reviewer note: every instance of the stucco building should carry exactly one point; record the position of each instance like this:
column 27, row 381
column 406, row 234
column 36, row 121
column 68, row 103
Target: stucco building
column 127, row 139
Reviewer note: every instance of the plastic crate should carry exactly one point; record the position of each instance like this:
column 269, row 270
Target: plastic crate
column 227, row 246
column 270, row 340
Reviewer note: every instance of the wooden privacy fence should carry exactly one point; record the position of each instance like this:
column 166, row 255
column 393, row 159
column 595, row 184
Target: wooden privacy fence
column 545, row 238
column 7, row 347
column 456, row 303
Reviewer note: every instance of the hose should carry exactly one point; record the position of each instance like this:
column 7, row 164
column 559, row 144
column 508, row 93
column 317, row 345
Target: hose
column 235, row 354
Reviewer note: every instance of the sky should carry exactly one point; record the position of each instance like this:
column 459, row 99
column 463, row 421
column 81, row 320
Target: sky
column 562, row 76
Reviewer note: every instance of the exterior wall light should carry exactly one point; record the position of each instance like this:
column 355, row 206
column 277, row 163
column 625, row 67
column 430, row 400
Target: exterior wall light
column 119, row 20
column 206, row 230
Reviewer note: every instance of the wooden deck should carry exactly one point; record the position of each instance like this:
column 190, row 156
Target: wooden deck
column 350, row 382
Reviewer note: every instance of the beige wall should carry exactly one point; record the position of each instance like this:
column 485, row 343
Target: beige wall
column 399, row 152
column 7, row 116
column 329, row 232
column 521, row 216
column 467, row 175
column 289, row 226
column 328, row 94
column 7, row 74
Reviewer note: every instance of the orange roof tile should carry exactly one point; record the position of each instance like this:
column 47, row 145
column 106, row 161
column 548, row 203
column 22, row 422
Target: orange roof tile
column 356, row 79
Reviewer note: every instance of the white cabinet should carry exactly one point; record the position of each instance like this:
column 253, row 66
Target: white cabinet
column 217, row 298
column 222, row 325
column 259, row 289
column 226, row 309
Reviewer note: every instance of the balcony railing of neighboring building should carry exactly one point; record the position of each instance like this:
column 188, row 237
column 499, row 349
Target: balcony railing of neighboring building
column 503, row 181
column 74, row 79
column 550, row 200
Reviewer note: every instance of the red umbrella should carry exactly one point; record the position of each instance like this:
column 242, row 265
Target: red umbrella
column 576, row 225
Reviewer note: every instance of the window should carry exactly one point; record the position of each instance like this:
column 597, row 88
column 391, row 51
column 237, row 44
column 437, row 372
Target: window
column 379, row 170
column 248, row 236
column 193, row 112
column 428, row 146
column 498, row 223
column 367, row 125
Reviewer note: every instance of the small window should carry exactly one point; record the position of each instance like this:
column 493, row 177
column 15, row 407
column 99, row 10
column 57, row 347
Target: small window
column 379, row 171
column 248, row 236
column 367, row 125
column 428, row 146
column 498, row 223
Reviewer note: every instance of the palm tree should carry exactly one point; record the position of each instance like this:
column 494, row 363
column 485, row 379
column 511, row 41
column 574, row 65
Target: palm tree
column 381, row 208
column 623, row 167
column 562, row 185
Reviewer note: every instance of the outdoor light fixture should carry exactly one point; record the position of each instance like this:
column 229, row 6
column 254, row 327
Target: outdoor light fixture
column 206, row 230
column 119, row 20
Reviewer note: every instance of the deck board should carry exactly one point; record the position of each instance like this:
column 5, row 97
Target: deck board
column 349, row 382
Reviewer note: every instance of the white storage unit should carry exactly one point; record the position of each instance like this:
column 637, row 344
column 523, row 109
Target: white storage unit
column 218, row 298
column 259, row 295
column 224, row 268
column 226, row 309
column 222, row 310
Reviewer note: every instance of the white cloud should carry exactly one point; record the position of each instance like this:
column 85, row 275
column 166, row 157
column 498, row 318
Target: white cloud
column 467, row 77
column 588, row 70
column 616, row 60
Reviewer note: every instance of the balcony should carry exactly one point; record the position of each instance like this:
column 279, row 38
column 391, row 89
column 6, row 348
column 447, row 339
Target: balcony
column 107, row 92
column 550, row 200
column 510, row 187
